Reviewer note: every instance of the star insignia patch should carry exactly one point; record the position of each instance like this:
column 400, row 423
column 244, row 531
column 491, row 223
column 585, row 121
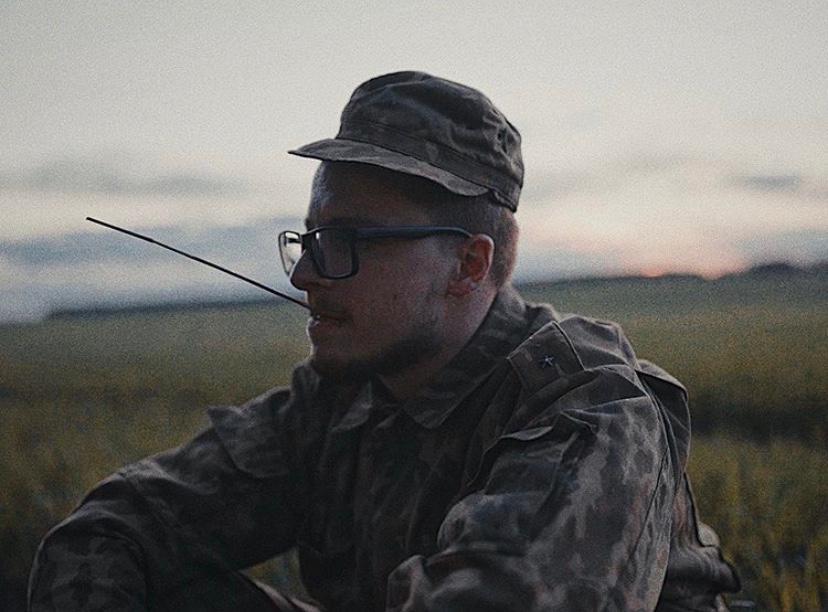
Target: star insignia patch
column 547, row 362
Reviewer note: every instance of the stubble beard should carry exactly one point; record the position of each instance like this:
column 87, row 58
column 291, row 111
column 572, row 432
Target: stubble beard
column 421, row 344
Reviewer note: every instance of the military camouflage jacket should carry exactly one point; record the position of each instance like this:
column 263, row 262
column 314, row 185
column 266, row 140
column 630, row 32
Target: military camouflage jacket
column 543, row 469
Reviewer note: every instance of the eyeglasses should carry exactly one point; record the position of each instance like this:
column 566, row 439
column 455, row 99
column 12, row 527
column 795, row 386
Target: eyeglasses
column 333, row 249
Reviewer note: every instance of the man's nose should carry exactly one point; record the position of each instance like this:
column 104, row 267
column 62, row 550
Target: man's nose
column 304, row 274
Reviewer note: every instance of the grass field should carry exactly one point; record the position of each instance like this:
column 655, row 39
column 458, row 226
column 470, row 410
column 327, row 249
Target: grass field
column 81, row 396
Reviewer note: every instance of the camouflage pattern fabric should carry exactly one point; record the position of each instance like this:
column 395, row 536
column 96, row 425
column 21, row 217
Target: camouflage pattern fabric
column 543, row 469
column 419, row 124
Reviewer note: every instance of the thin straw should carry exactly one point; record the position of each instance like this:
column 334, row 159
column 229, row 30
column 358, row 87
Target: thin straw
column 200, row 260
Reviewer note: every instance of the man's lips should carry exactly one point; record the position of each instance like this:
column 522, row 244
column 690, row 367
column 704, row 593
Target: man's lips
column 324, row 322
column 327, row 313
column 323, row 316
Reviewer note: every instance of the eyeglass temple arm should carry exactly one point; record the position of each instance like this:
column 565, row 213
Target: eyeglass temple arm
column 200, row 260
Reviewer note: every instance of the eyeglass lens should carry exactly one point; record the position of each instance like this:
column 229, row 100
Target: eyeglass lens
column 330, row 249
column 290, row 250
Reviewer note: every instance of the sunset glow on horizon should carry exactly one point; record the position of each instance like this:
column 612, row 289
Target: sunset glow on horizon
column 657, row 138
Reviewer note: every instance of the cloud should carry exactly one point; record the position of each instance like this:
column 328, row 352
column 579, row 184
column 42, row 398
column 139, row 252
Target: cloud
column 602, row 177
column 118, row 176
column 800, row 185
column 111, row 247
column 539, row 262
column 105, row 267
column 800, row 247
column 770, row 182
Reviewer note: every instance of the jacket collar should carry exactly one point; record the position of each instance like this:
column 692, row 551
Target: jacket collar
column 509, row 321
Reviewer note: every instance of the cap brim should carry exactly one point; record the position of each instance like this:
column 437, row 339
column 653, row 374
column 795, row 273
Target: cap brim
column 336, row 149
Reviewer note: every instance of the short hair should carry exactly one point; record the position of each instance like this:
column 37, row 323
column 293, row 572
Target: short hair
column 476, row 214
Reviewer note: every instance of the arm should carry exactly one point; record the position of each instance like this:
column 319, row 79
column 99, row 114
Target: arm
column 572, row 512
column 223, row 501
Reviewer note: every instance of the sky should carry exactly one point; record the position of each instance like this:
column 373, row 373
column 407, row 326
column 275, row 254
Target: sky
column 658, row 136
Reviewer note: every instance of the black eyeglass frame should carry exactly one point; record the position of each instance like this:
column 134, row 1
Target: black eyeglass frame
column 353, row 235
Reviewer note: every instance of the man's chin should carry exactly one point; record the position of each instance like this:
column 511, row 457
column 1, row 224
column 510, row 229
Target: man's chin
column 398, row 357
column 341, row 370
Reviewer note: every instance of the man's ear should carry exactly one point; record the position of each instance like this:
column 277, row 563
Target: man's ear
column 474, row 261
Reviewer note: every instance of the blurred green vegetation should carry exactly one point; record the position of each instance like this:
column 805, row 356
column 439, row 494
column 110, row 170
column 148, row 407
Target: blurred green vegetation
column 752, row 350
column 767, row 504
column 80, row 396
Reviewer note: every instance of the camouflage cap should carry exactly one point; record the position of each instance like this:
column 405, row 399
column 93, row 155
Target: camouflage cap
column 423, row 125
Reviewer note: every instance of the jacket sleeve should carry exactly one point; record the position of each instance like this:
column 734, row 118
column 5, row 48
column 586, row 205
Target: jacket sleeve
column 225, row 500
column 570, row 512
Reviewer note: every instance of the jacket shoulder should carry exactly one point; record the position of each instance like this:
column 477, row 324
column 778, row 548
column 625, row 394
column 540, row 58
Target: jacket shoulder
column 565, row 347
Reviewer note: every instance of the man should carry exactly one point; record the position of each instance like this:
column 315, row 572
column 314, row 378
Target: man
column 445, row 447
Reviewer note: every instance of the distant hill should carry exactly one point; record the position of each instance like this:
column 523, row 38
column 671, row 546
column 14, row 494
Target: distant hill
column 770, row 270
column 782, row 268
